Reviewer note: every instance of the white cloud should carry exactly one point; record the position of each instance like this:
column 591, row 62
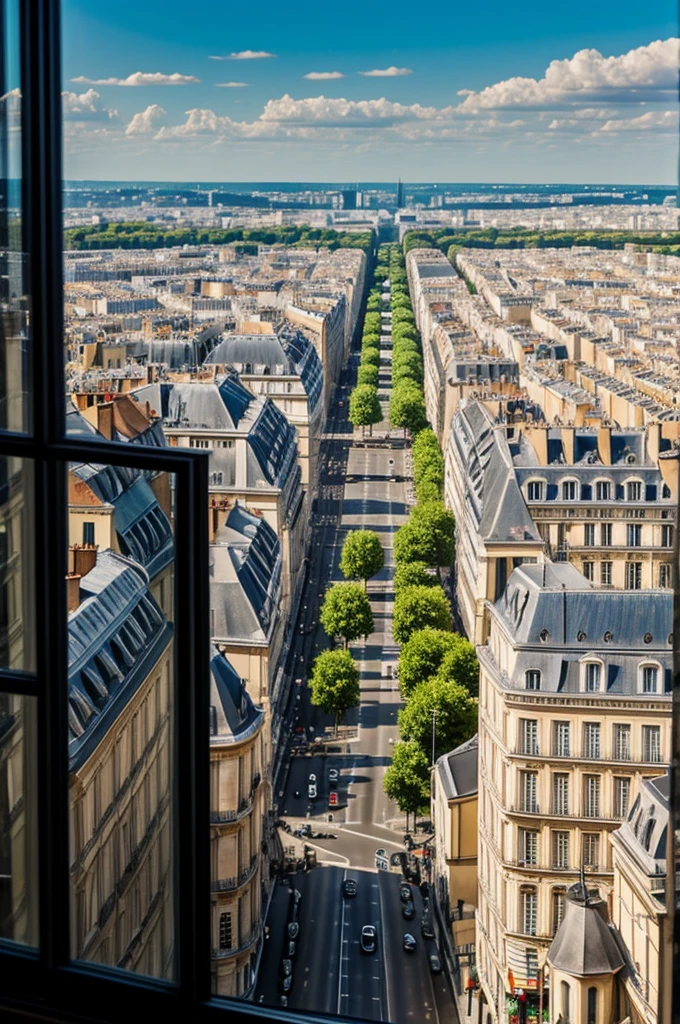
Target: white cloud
column 341, row 112
column 231, row 85
column 646, row 73
column 322, row 76
column 147, row 121
column 246, row 55
column 85, row 107
column 658, row 121
column 140, row 78
column 390, row 72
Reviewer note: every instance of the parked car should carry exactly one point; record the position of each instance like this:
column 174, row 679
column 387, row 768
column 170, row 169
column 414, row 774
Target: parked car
column 333, row 775
column 435, row 963
column 311, row 787
column 408, row 911
column 290, row 949
column 349, row 887
column 369, row 939
column 409, row 943
column 405, row 893
column 426, row 929
column 286, row 967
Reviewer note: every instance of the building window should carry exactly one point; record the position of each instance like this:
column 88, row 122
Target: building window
column 592, row 1006
column 634, row 534
column 569, row 490
column 561, row 739
column 651, row 743
column 531, row 958
column 606, row 574
column 566, row 1001
column 589, row 535
column 535, row 490
column 529, row 910
column 532, row 679
column 559, row 899
column 621, row 797
column 649, row 679
column 665, row 491
column 591, row 739
column 528, row 736
column 666, row 536
column 529, row 786
column 603, row 490
column 591, row 796
column 88, row 534
column 560, row 849
column 560, row 793
column 589, row 571
column 665, row 575
column 622, row 743
column 225, row 930
column 633, row 575
column 606, row 535
column 528, row 846
column 633, row 490
column 592, row 676
column 591, row 850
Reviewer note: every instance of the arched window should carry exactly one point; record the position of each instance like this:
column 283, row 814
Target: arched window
column 570, row 490
column 633, row 490
column 535, row 490
column 592, row 1005
column 532, row 679
column 648, row 678
column 592, row 674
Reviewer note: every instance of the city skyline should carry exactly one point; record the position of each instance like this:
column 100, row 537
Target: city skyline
column 506, row 99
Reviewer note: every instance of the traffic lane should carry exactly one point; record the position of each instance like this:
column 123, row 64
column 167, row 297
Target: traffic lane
column 267, row 990
column 407, row 975
column 317, row 959
column 362, row 974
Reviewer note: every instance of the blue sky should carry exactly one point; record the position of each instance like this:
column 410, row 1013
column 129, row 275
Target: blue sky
column 563, row 91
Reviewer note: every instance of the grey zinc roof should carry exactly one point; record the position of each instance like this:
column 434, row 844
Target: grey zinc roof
column 457, row 771
column 232, row 713
column 219, row 405
column 644, row 833
column 585, row 944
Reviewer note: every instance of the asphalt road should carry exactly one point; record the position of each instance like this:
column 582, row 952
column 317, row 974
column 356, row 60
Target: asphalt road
column 361, row 485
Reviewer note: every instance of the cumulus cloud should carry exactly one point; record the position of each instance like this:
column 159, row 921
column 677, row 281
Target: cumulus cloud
column 85, row 106
column 661, row 121
column 246, row 55
column 147, row 121
column 647, row 73
column 341, row 112
column 140, row 78
column 390, row 72
column 231, row 85
column 322, row 76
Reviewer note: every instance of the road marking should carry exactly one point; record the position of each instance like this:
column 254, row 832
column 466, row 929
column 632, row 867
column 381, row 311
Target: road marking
column 364, row 835
column 340, row 951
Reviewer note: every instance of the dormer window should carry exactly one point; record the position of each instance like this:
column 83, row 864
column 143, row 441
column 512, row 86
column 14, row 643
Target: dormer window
column 633, row 490
column 648, row 679
column 603, row 490
column 532, row 679
column 535, row 490
column 591, row 676
column 570, row 491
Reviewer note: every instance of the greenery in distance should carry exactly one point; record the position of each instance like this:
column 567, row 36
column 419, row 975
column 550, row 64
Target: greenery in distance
column 143, row 235
column 522, row 238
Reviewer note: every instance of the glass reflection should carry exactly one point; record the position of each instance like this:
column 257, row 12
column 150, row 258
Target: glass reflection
column 17, row 647
column 18, row 826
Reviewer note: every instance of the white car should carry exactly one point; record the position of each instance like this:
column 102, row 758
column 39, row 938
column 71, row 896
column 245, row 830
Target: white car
column 333, row 775
column 311, row 787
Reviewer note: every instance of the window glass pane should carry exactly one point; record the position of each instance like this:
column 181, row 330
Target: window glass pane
column 121, row 683
column 18, row 820
column 14, row 311
column 17, row 647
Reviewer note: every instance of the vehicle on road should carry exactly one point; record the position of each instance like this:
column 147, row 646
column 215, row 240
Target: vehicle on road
column 350, row 887
column 293, row 929
column 296, row 897
column 284, row 1000
column 409, row 943
column 287, row 983
column 286, row 967
column 408, row 911
column 290, row 949
column 333, row 775
column 311, row 786
column 369, row 939
column 405, row 894
column 435, row 963
column 332, row 799
column 426, row 929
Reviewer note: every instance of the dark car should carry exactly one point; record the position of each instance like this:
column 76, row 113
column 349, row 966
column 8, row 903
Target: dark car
column 369, row 939
column 286, row 967
column 426, row 929
column 333, row 776
column 405, row 893
column 408, row 911
column 290, row 949
column 409, row 943
column 350, row 887
column 435, row 964
column 287, row 983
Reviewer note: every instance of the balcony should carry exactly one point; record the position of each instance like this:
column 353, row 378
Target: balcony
column 226, row 817
column 225, row 954
column 236, row 881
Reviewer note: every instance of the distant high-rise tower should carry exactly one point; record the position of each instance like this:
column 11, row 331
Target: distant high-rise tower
column 400, row 194
column 349, row 199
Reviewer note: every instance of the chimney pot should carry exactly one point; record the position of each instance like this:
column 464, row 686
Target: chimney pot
column 84, row 558
column 72, row 591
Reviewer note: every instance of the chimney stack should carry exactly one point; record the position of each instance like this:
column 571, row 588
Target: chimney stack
column 83, row 558
column 72, row 591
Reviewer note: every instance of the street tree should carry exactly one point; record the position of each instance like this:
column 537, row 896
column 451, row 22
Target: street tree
column 368, row 373
column 370, row 356
column 362, row 555
column 427, row 456
column 442, row 707
column 346, row 612
column 439, row 523
column 414, row 574
column 407, row 371
column 407, row 780
column 437, row 652
column 417, row 607
column 334, row 684
column 407, row 407
column 428, row 490
column 412, row 543
column 370, row 339
column 364, row 407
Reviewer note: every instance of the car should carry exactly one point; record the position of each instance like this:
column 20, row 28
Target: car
column 350, row 887
column 369, row 939
column 408, row 911
column 426, row 929
column 287, row 983
column 409, row 943
column 293, row 929
column 286, row 967
column 405, row 893
column 296, row 897
column 290, row 949
column 435, row 963
column 311, row 791
column 333, row 775
column 332, row 798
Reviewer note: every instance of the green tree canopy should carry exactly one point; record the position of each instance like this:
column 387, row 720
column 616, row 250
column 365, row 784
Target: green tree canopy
column 368, row 373
column 438, row 523
column 414, row 574
column 334, row 684
column 362, row 555
column 403, row 371
column 460, row 665
column 455, row 719
column 370, row 356
column 370, row 340
column 417, row 607
column 364, row 406
column 407, row 780
column 407, row 407
column 412, row 543
column 422, row 655
column 346, row 612
column 428, row 490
